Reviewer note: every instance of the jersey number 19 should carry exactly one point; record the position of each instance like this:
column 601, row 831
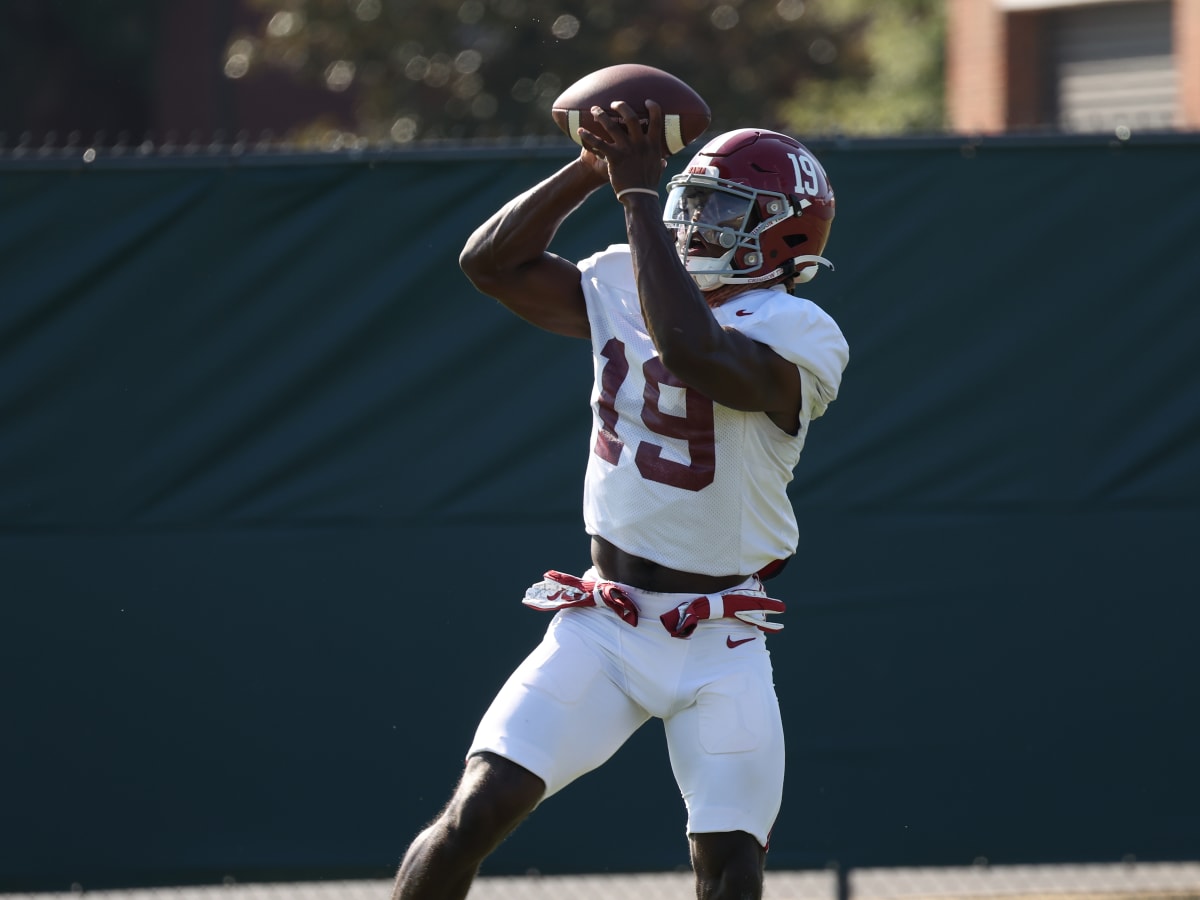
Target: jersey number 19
column 695, row 427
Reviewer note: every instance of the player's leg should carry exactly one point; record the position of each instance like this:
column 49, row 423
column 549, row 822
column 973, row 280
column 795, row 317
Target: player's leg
column 727, row 752
column 557, row 716
column 492, row 798
column 564, row 711
column 728, row 865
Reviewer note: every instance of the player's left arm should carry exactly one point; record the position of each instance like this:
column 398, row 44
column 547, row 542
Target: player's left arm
column 722, row 363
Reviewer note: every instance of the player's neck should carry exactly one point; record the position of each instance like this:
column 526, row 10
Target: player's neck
column 721, row 295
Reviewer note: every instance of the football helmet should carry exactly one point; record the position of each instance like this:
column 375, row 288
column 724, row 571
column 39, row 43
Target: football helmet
column 752, row 205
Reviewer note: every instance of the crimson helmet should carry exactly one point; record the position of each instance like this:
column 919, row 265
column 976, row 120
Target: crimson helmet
column 752, row 205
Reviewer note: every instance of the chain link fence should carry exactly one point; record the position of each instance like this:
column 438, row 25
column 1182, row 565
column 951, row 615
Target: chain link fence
column 1125, row 881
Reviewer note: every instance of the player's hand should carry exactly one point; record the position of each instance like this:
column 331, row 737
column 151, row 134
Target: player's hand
column 634, row 152
column 595, row 164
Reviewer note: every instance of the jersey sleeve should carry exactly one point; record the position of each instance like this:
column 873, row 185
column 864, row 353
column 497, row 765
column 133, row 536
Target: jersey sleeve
column 802, row 333
column 611, row 267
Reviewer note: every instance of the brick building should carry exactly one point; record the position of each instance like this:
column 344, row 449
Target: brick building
column 1100, row 65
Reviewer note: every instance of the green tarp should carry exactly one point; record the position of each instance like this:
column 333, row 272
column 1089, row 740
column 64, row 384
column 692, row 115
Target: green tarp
column 273, row 478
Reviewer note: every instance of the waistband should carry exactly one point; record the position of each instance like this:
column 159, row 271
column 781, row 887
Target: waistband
column 678, row 613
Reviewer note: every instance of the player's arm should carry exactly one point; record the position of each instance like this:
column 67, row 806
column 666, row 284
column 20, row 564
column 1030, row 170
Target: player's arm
column 507, row 257
column 722, row 363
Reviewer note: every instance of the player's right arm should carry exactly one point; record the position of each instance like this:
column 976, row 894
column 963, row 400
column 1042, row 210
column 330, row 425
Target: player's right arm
column 507, row 256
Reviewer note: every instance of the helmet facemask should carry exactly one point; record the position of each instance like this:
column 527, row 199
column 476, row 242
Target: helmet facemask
column 709, row 220
column 708, row 213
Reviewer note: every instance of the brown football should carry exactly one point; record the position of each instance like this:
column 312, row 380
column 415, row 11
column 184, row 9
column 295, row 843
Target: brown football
column 685, row 114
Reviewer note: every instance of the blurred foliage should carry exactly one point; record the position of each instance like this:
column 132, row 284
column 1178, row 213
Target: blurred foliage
column 427, row 69
column 898, row 85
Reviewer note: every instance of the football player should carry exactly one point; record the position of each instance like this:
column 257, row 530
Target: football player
column 708, row 374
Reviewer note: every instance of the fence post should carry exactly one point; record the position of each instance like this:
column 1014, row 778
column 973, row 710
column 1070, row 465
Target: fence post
column 841, row 876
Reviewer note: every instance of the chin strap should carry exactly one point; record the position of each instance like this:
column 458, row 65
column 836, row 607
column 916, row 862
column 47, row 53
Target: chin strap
column 802, row 276
column 799, row 268
column 707, row 281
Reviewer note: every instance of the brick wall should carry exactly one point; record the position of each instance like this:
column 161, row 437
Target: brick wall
column 996, row 66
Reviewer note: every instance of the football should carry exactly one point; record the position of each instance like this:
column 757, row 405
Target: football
column 685, row 114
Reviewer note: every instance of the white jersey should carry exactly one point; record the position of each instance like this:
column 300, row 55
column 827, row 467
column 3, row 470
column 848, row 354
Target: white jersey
column 674, row 477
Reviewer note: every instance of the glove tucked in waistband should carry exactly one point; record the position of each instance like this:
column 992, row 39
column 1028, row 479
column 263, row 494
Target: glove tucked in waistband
column 683, row 619
column 558, row 590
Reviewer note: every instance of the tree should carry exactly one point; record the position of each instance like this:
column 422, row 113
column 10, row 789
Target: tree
column 480, row 69
column 895, row 82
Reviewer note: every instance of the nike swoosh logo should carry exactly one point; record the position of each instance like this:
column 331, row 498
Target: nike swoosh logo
column 744, row 312
column 731, row 643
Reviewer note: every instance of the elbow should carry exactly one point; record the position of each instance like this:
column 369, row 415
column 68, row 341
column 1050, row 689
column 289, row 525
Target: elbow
column 470, row 259
column 475, row 262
